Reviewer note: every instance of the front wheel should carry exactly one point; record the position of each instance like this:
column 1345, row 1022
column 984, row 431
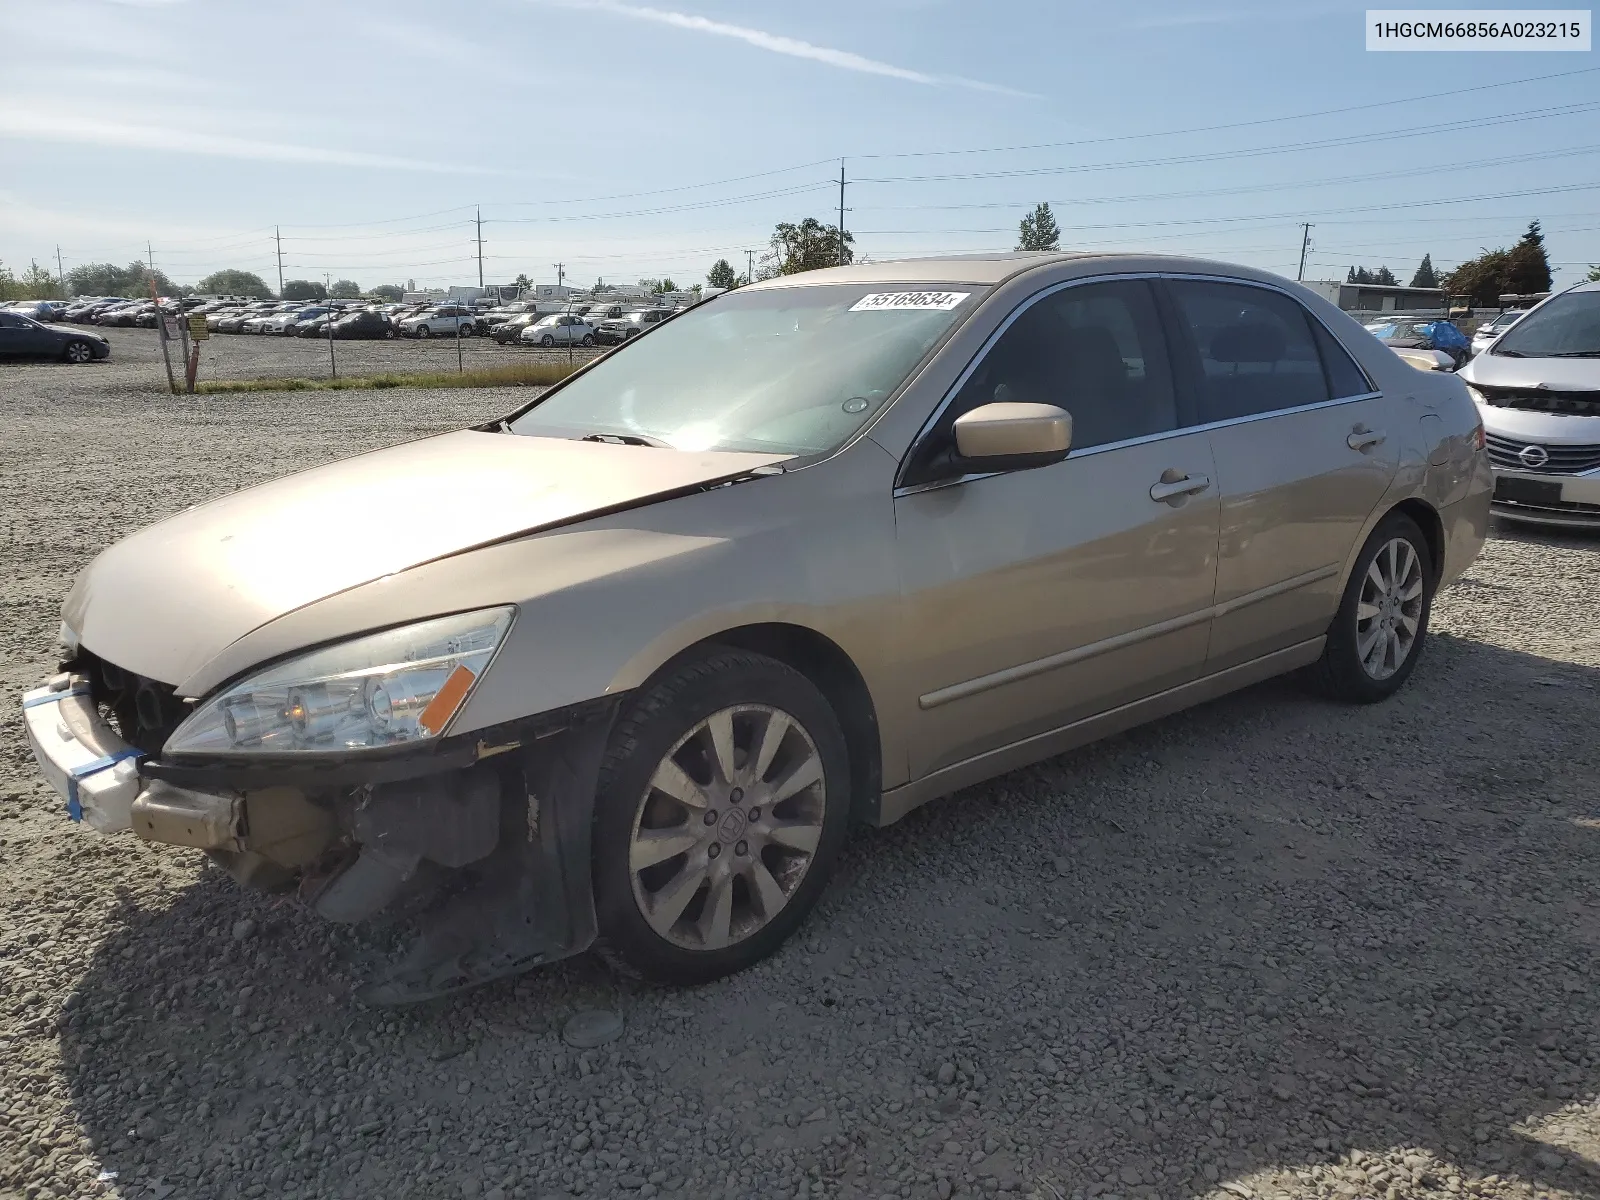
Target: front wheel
column 78, row 352
column 1376, row 636
column 423, row 331
column 722, row 803
column 547, row 340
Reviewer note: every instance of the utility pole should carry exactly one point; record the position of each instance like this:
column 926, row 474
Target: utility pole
column 561, row 274
column 61, row 275
column 1305, row 242
column 480, row 245
column 749, row 266
column 841, row 213
column 278, row 238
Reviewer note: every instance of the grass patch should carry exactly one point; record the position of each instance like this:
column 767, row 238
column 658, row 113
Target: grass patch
column 535, row 374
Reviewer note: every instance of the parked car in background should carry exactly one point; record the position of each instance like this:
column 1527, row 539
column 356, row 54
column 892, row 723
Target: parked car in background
column 560, row 329
column 234, row 321
column 39, row 310
column 1538, row 390
column 509, row 331
column 304, row 317
column 1427, row 334
column 23, row 337
column 368, row 323
column 616, row 330
column 454, row 320
column 628, row 663
column 127, row 316
column 1491, row 329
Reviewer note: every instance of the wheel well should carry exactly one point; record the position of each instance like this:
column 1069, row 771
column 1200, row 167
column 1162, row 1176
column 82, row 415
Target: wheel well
column 821, row 661
column 1432, row 528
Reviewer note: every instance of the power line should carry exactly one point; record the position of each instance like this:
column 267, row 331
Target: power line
column 1306, row 116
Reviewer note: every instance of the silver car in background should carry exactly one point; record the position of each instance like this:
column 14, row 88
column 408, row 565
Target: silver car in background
column 1486, row 333
column 1538, row 389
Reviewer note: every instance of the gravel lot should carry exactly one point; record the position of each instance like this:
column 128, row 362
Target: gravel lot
column 1272, row 947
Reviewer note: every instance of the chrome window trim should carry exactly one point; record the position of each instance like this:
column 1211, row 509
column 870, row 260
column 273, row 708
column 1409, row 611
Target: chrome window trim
column 1000, row 331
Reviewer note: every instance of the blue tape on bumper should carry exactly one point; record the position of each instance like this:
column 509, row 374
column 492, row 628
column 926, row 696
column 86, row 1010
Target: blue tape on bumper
column 74, row 808
column 53, row 697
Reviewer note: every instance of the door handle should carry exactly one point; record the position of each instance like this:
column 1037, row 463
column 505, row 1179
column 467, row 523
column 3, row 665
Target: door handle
column 1189, row 485
column 1364, row 439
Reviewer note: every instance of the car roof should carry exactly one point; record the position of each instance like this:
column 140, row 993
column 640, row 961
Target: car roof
column 994, row 268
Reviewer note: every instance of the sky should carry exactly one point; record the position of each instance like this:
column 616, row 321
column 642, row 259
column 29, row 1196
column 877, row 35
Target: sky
column 629, row 139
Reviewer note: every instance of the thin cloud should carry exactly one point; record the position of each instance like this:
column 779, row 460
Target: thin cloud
column 793, row 47
column 1193, row 17
column 17, row 121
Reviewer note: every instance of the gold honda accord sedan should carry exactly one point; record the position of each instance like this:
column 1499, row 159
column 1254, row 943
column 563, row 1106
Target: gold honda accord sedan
column 621, row 668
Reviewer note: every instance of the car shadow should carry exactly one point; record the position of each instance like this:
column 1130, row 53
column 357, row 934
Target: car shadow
column 1238, row 946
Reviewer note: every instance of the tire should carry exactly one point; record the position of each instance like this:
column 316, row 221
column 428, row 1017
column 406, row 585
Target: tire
column 1367, row 657
column 388, row 334
column 547, row 340
column 423, row 331
column 78, row 353
column 766, row 864
column 588, row 340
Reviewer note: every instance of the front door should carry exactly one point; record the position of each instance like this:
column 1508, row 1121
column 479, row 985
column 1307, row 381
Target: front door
column 1305, row 450
column 1034, row 598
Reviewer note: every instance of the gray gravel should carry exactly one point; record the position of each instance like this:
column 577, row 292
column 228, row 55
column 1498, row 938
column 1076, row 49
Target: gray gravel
column 1273, row 947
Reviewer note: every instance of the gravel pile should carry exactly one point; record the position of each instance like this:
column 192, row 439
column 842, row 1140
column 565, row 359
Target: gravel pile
column 1270, row 948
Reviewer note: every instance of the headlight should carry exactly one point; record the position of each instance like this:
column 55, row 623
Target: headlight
column 385, row 689
column 1477, row 396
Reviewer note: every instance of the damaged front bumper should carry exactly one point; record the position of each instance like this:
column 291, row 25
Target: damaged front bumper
column 498, row 819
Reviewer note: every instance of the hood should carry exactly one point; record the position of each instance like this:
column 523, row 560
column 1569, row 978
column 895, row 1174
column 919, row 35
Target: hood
column 71, row 330
column 167, row 599
column 1407, row 343
column 1557, row 374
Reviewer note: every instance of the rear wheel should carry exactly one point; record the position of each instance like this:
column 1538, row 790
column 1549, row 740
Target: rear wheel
column 721, row 806
column 1376, row 636
column 588, row 340
column 78, row 352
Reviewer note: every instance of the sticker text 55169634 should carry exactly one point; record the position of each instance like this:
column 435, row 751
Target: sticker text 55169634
column 925, row 301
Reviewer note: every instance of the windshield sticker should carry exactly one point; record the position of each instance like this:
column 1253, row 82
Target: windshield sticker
column 922, row 301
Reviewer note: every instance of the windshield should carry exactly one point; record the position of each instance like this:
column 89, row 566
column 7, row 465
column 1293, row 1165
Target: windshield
column 1504, row 320
column 788, row 370
column 1566, row 326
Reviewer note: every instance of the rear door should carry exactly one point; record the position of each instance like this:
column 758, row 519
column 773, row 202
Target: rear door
column 1305, row 449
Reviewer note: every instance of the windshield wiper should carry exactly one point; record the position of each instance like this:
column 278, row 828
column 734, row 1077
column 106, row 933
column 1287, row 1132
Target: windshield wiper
column 1508, row 354
column 1576, row 354
column 623, row 439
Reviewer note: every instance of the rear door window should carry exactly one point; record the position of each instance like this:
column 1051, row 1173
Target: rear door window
column 1251, row 348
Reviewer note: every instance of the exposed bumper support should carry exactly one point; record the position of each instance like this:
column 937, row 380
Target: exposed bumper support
column 532, row 901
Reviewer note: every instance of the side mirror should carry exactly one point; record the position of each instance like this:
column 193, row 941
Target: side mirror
column 1009, row 435
column 1425, row 360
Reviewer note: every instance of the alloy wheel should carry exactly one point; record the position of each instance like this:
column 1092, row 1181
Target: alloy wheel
column 727, row 827
column 77, row 352
column 1389, row 611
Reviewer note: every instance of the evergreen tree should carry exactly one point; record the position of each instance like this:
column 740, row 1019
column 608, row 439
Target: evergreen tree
column 721, row 275
column 1384, row 275
column 1038, row 230
column 1529, row 267
column 1425, row 276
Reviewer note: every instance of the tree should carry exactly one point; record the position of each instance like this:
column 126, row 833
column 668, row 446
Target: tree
column 523, row 282
column 345, row 289
column 304, row 289
column 1038, row 231
column 38, row 284
column 721, row 275
column 391, row 292
column 1358, row 275
column 9, row 289
column 1528, row 269
column 108, row 279
column 1385, row 276
column 1481, row 280
column 1594, row 274
column 1425, row 276
column 807, row 247
column 235, row 283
